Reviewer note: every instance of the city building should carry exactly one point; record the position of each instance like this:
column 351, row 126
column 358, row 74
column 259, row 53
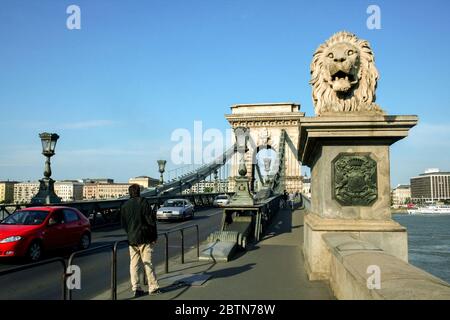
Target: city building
column 431, row 186
column 100, row 191
column 113, row 190
column 24, row 191
column 69, row 190
column 7, row 191
column 206, row 186
column 144, row 181
column 401, row 195
column 97, row 180
column 90, row 191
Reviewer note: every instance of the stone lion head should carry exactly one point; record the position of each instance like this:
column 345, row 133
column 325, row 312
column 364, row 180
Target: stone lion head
column 343, row 76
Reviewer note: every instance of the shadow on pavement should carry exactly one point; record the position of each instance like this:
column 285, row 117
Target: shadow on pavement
column 229, row 272
column 281, row 223
column 195, row 266
column 222, row 273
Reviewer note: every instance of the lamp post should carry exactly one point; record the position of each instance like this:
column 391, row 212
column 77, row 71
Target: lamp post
column 216, row 184
column 241, row 144
column 46, row 193
column 162, row 168
column 242, row 194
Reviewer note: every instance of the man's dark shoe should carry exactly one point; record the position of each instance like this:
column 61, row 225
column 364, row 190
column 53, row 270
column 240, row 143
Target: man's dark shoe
column 155, row 292
column 139, row 293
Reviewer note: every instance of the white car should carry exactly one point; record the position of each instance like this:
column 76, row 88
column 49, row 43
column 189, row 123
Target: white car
column 221, row 200
column 175, row 209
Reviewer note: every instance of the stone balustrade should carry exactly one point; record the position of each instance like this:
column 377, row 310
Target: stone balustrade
column 352, row 262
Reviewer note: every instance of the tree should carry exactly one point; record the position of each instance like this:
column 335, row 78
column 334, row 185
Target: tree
column 208, row 189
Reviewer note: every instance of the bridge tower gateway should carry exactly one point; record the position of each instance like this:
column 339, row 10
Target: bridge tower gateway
column 265, row 122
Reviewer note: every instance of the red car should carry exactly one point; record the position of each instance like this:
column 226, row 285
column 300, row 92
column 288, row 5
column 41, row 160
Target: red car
column 28, row 232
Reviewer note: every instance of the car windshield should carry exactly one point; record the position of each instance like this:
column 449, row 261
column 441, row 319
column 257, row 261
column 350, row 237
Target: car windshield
column 222, row 197
column 173, row 203
column 26, row 218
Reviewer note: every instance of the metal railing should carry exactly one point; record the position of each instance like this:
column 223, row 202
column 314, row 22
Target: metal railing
column 84, row 253
column 109, row 209
column 115, row 247
column 4, row 212
column 38, row 264
column 181, row 230
column 166, row 253
column 67, row 292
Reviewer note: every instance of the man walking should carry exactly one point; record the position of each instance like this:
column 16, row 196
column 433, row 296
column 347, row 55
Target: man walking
column 139, row 221
column 284, row 200
column 291, row 200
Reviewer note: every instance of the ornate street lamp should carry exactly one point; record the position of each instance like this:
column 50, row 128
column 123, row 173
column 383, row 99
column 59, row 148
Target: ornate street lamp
column 162, row 168
column 241, row 134
column 46, row 193
column 242, row 194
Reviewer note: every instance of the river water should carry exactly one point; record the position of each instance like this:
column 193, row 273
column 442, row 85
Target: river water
column 428, row 242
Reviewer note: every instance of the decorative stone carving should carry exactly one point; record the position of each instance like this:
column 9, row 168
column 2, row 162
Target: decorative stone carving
column 354, row 179
column 261, row 123
column 343, row 76
column 264, row 137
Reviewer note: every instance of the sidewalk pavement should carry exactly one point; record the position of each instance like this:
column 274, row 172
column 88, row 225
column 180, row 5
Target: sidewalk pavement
column 272, row 269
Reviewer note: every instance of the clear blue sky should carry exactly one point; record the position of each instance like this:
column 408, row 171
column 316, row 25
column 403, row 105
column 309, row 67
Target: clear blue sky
column 137, row 70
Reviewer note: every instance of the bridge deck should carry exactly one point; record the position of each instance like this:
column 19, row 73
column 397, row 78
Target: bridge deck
column 271, row 269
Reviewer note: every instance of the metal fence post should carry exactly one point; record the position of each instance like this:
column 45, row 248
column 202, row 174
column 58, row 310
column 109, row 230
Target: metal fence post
column 198, row 241
column 114, row 272
column 69, row 295
column 167, row 252
column 64, row 286
column 114, row 269
column 182, row 246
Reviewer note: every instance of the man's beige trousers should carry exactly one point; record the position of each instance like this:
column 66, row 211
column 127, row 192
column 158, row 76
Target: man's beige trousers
column 142, row 253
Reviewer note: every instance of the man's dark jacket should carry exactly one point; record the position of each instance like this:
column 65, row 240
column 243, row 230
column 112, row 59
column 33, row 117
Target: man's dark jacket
column 139, row 221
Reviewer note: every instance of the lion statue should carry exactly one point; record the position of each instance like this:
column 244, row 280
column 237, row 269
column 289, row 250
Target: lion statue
column 344, row 77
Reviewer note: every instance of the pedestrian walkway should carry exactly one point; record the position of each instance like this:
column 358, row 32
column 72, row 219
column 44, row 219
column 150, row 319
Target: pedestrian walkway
column 271, row 269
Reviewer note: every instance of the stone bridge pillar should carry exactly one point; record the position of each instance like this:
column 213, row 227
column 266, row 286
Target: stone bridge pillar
column 346, row 145
column 350, row 183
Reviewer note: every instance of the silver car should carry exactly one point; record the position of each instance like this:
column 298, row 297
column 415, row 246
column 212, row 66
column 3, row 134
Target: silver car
column 175, row 209
column 221, row 200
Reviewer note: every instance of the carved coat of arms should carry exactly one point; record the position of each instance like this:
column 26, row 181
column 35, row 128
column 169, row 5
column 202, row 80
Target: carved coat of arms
column 355, row 179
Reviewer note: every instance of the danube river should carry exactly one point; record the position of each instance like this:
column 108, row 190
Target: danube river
column 429, row 242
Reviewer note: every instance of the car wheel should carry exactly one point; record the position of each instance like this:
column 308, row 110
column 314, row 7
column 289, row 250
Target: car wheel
column 85, row 241
column 34, row 252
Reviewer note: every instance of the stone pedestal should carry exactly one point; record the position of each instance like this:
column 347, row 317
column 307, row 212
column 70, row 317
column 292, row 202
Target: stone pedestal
column 46, row 193
column 242, row 194
column 350, row 182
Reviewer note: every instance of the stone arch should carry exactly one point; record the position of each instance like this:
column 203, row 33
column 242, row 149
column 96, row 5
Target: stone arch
column 264, row 123
column 257, row 169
